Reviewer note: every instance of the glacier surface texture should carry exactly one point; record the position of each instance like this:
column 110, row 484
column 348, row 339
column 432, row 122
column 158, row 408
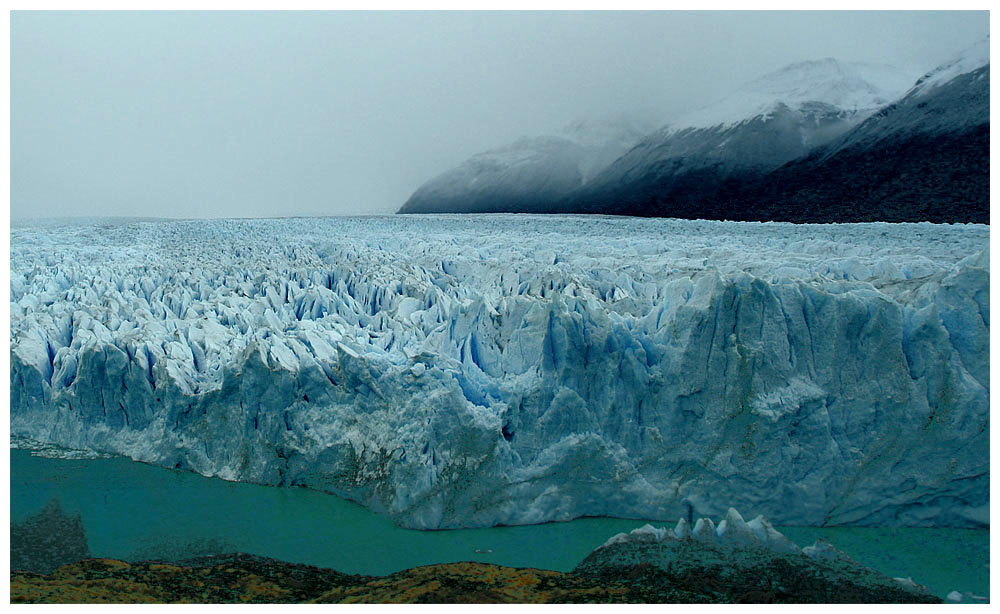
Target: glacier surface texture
column 467, row 371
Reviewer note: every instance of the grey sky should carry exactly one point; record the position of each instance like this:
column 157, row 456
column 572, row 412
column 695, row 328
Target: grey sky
column 274, row 114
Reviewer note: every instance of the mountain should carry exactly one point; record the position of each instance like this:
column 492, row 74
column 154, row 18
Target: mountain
column 686, row 169
column 528, row 174
column 818, row 141
column 925, row 157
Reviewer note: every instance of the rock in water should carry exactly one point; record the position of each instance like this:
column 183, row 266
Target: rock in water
column 46, row 540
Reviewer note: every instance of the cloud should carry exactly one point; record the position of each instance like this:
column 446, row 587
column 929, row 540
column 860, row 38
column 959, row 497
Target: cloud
column 268, row 114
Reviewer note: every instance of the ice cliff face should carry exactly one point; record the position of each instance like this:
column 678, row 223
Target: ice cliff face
column 457, row 371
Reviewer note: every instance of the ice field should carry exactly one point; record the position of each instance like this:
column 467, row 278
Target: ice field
column 470, row 371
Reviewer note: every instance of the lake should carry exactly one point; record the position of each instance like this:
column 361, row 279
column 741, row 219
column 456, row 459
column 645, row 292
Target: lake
column 133, row 511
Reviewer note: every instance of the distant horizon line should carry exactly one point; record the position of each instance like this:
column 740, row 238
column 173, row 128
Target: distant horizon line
column 22, row 218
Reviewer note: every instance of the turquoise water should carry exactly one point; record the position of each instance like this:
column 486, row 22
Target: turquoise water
column 134, row 511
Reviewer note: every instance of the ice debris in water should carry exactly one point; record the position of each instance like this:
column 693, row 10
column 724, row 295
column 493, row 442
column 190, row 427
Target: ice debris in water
column 452, row 371
column 959, row 597
column 48, row 450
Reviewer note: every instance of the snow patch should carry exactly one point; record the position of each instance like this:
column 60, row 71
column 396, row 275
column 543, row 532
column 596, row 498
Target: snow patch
column 968, row 60
column 848, row 86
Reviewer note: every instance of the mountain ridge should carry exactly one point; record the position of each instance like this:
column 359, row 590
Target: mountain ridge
column 816, row 141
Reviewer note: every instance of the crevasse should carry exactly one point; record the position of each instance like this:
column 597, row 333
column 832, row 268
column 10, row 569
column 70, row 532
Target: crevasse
column 458, row 371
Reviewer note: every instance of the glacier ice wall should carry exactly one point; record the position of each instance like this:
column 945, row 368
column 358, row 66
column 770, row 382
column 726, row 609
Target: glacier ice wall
column 457, row 371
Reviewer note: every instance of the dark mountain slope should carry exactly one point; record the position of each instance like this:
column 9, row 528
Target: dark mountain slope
column 925, row 158
column 814, row 142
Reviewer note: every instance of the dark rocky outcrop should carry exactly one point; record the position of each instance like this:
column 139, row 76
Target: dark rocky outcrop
column 744, row 562
column 46, row 540
column 736, row 562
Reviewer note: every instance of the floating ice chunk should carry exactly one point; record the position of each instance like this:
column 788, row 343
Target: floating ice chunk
column 911, row 585
column 954, row 596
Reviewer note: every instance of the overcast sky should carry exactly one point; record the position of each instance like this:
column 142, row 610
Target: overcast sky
column 277, row 114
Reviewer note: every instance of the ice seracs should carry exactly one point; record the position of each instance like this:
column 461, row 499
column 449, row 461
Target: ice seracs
column 704, row 531
column 459, row 371
column 731, row 532
column 683, row 529
column 740, row 558
column 771, row 537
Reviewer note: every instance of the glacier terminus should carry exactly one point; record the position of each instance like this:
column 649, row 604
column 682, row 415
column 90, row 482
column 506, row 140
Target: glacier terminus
column 478, row 370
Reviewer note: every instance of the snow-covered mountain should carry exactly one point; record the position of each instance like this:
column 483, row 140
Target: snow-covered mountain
column 775, row 119
column 454, row 371
column 818, row 141
column 528, row 174
column 950, row 99
column 855, row 89
column 969, row 60
column 923, row 157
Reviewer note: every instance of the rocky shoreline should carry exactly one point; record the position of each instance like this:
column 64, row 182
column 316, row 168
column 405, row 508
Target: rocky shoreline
column 732, row 562
column 243, row 578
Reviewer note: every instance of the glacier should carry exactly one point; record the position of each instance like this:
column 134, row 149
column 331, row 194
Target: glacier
column 468, row 371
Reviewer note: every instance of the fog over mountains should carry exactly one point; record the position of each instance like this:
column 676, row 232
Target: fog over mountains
column 532, row 173
column 817, row 141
